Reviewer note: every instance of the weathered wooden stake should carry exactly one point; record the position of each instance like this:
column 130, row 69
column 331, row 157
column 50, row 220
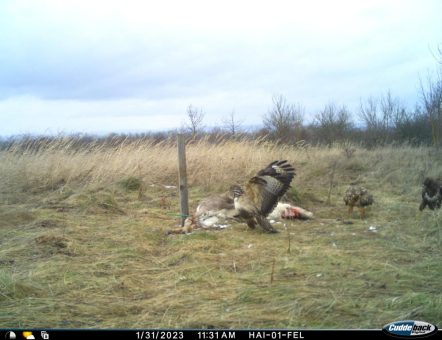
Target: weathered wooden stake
column 184, row 200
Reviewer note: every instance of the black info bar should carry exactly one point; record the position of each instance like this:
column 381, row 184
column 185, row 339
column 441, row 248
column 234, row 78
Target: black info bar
column 198, row 334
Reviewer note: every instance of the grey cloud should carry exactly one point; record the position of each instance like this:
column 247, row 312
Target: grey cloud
column 112, row 65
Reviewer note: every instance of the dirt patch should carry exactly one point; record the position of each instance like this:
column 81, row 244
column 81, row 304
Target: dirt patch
column 55, row 244
column 15, row 217
column 47, row 224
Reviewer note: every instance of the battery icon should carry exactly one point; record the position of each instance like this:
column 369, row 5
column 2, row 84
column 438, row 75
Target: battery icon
column 10, row 335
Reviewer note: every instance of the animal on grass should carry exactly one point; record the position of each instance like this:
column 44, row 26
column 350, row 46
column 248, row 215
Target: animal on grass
column 211, row 212
column 357, row 196
column 288, row 211
column 216, row 212
column 431, row 194
column 260, row 195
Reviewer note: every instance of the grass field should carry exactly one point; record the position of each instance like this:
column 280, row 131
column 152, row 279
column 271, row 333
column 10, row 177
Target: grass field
column 83, row 244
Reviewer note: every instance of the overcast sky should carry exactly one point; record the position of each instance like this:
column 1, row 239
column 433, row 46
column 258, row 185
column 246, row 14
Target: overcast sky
column 133, row 66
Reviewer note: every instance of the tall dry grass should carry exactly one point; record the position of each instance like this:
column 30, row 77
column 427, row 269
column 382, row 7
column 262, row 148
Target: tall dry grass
column 212, row 166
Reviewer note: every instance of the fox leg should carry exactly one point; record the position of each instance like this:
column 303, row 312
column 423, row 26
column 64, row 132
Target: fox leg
column 189, row 226
column 181, row 230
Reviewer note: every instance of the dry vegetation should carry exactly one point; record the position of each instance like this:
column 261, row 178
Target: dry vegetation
column 83, row 244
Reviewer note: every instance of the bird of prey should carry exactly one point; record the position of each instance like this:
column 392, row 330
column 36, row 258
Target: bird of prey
column 431, row 194
column 357, row 196
column 261, row 194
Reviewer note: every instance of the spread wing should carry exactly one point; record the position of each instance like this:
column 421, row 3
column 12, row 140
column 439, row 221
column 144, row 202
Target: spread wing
column 269, row 185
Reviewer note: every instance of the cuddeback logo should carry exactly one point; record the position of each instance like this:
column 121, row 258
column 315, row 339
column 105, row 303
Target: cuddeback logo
column 410, row 328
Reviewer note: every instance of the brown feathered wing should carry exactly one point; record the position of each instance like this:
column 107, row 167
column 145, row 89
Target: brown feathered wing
column 262, row 193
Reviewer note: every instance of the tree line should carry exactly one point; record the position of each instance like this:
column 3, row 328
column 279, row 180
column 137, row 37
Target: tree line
column 380, row 121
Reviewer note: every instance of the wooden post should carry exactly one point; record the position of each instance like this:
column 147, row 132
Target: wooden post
column 184, row 201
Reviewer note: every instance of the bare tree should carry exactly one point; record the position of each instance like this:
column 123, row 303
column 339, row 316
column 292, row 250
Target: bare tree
column 382, row 118
column 368, row 112
column 392, row 111
column 231, row 124
column 284, row 120
column 195, row 120
column 333, row 123
column 432, row 104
